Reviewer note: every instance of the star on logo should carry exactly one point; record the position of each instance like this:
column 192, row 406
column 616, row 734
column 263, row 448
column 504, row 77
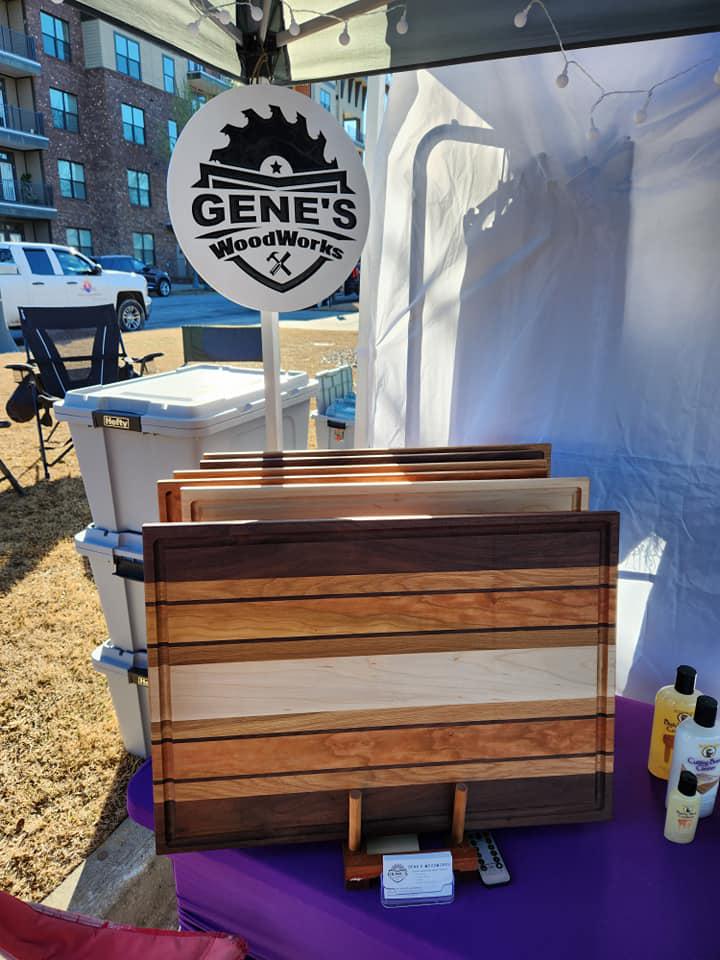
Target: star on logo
column 275, row 167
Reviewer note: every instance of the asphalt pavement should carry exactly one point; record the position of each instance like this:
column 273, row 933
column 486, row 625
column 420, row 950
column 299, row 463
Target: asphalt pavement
column 191, row 308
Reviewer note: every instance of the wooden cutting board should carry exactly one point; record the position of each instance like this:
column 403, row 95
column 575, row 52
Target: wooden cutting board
column 208, row 504
column 293, row 662
column 169, row 490
column 518, row 451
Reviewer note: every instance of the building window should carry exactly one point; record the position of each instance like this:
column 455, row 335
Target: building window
column 169, row 75
column 56, row 36
column 172, row 134
column 352, row 128
column 144, row 247
column 198, row 101
column 325, row 102
column 127, row 56
column 64, row 109
column 133, row 123
column 80, row 239
column 72, row 179
column 139, row 188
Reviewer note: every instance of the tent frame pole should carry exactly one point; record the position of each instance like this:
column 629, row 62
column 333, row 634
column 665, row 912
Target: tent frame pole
column 270, row 327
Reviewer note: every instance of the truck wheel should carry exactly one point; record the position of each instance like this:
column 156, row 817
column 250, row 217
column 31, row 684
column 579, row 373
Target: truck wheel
column 131, row 315
column 164, row 288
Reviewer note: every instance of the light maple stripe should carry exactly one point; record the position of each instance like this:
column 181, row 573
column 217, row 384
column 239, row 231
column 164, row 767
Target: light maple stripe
column 253, row 689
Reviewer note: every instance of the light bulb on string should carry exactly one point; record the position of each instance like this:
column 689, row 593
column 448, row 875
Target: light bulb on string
column 194, row 27
column 562, row 79
column 521, row 16
column 344, row 38
column 256, row 12
column 401, row 26
column 294, row 28
column 222, row 16
column 641, row 115
column 57, row 2
column 593, row 132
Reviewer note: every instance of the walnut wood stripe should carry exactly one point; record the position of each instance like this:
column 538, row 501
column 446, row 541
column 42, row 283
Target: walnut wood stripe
column 342, row 752
column 320, row 616
column 210, row 691
column 192, row 590
column 393, row 777
column 364, row 719
column 269, row 549
column 348, row 646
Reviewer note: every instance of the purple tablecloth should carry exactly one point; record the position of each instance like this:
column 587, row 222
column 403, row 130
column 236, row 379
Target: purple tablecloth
column 603, row 891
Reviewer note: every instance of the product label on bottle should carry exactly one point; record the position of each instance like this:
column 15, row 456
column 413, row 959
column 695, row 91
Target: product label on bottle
column 685, row 817
column 705, row 765
column 670, row 723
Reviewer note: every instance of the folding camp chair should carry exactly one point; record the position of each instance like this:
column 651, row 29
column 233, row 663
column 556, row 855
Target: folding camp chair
column 69, row 348
column 6, row 471
column 218, row 344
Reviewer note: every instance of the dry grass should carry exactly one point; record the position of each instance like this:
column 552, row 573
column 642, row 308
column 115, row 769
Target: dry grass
column 63, row 769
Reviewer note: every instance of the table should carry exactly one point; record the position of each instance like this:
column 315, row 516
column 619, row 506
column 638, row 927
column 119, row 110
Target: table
column 602, row 891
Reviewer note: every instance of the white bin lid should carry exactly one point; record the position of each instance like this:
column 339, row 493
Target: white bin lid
column 193, row 399
column 107, row 658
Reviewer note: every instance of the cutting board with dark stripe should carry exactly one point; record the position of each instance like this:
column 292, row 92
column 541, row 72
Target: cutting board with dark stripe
column 515, row 451
column 291, row 662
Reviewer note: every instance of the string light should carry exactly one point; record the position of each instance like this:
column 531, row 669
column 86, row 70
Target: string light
column 563, row 79
column 223, row 17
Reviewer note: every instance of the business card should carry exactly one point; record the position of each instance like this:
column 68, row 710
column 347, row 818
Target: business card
column 417, row 878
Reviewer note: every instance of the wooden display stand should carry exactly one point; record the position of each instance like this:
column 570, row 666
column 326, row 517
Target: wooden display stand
column 361, row 868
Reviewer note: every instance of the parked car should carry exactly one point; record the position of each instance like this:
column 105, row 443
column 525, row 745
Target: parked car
column 157, row 279
column 51, row 275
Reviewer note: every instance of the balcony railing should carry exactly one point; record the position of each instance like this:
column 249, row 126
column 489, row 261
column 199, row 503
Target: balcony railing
column 17, row 118
column 12, row 41
column 27, row 192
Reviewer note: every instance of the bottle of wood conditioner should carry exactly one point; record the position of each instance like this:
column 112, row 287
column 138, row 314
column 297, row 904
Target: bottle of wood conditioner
column 673, row 704
column 697, row 748
column 682, row 810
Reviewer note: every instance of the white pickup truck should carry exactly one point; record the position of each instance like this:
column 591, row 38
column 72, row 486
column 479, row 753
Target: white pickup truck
column 51, row 275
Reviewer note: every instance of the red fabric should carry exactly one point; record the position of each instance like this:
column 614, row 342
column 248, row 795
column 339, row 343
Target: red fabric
column 29, row 932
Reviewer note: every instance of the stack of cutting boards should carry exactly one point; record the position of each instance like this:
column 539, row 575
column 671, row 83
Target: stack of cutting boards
column 389, row 621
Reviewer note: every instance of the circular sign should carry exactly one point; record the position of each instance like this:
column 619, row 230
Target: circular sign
column 268, row 198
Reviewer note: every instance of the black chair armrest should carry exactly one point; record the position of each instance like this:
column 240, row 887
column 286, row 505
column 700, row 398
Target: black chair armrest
column 21, row 367
column 147, row 358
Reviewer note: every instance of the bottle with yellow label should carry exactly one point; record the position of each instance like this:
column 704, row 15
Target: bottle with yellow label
column 673, row 704
column 683, row 810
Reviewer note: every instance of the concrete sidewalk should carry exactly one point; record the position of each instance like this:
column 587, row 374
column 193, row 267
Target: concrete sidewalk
column 122, row 880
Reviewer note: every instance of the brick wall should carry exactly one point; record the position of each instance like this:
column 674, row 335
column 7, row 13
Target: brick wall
column 101, row 148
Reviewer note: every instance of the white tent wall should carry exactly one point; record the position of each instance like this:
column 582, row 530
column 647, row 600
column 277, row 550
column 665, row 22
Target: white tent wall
column 528, row 283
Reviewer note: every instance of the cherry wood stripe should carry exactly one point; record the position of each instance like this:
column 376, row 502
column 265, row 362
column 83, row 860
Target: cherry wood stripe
column 349, row 646
column 320, row 616
column 374, row 777
column 364, row 583
column 354, row 750
column 393, row 717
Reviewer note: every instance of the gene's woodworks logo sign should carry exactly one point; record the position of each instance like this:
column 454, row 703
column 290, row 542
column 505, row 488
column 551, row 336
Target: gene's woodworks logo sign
column 268, row 198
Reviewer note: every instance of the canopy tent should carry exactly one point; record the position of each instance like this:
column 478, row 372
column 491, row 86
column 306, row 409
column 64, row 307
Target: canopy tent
column 438, row 33
column 530, row 282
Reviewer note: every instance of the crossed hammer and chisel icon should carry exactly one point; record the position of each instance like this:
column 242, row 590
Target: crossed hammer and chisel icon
column 279, row 263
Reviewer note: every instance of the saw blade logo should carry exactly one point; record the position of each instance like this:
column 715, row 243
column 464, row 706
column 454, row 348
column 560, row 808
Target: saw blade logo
column 275, row 214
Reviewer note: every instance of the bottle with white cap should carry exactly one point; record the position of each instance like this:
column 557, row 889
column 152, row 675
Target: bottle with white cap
column 697, row 749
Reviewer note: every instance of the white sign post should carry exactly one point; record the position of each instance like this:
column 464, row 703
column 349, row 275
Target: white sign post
column 270, row 204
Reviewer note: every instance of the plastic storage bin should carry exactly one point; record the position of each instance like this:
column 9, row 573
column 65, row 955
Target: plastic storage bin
column 130, row 435
column 116, row 560
column 126, row 674
column 334, row 433
column 335, row 417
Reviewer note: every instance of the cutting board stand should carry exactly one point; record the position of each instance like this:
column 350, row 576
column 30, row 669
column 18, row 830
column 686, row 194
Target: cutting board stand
column 362, row 868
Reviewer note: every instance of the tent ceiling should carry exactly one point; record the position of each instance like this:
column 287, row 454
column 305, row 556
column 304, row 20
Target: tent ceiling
column 449, row 32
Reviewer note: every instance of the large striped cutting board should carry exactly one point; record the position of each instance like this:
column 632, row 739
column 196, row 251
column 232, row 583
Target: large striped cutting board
column 291, row 662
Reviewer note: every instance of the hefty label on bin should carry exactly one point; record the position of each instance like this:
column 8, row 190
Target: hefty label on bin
column 117, row 421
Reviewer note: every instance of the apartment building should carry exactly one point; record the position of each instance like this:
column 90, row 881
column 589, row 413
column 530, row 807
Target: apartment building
column 89, row 115
column 26, row 200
